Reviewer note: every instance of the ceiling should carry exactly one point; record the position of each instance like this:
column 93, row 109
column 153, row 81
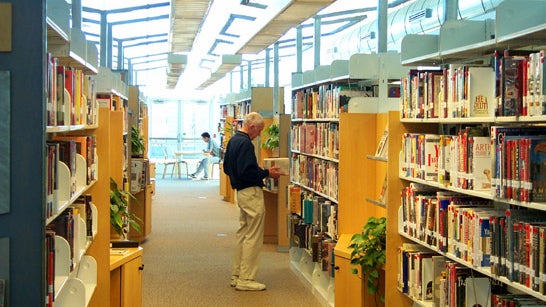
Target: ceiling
column 148, row 31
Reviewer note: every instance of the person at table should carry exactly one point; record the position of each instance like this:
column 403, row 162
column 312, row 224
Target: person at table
column 212, row 155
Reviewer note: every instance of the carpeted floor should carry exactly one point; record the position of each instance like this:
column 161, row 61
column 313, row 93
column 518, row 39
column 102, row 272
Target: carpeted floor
column 187, row 256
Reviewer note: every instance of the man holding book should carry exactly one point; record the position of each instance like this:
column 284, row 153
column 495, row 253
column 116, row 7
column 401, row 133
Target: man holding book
column 246, row 176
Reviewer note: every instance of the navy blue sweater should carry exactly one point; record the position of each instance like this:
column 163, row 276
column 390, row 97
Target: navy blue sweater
column 240, row 163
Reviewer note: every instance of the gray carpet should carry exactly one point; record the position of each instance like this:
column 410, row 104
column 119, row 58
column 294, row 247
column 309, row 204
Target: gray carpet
column 187, row 256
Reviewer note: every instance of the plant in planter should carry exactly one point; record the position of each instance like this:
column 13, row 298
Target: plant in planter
column 369, row 252
column 137, row 142
column 272, row 142
column 120, row 217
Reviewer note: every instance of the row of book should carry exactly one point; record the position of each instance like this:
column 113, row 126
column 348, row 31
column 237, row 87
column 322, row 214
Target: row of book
column 429, row 277
column 70, row 95
column 512, row 86
column 519, row 163
column 320, row 139
column 317, row 174
column 238, row 110
column 313, row 210
column 509, row 243
column 435, row 218
column 324, row 101
column 520, row 85
column 509, row 162
column 318, row 245
column 452, row 92
column 68, row 226
column 462, row 160
column 65, row 149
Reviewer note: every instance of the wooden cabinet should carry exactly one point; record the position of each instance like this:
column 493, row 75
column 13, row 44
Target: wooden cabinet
column 126, row 278
column 143, row 209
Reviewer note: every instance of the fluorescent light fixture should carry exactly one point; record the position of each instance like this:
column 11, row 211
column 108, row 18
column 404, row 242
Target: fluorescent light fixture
column 295, row 12
column 176, row 64
column 227, row 64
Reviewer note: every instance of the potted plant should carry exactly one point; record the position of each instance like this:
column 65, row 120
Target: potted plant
column 137, row 142
column 120, row 217
column 272, row 142
column 368, row 252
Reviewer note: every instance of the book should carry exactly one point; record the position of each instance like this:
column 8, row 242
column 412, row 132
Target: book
column 481, row 91
column 381, row 146
column 537, row 168
column 477, row 291
column 480, row 164
column 438, row 266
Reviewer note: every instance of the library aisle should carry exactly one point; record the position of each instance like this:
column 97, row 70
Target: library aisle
column 187, row 257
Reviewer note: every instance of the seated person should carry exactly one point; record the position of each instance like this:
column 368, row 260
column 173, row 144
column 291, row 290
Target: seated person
column 212, row 155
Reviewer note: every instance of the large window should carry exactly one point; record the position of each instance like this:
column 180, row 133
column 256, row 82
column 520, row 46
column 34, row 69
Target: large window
column 177, row 125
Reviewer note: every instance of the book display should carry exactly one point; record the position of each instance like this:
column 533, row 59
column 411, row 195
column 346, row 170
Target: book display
column 470, row 166
column 331, row 176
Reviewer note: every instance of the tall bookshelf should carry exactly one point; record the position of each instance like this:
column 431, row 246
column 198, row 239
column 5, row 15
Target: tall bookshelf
column 478, row 44
column 358, row 120
column 256, row 99
column 46, row 35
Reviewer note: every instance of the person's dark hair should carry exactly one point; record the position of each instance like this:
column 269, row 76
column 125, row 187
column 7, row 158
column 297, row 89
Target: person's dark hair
column 205, row 135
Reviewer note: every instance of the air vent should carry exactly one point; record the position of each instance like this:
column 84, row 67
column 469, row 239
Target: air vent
column 424, row 13
column 367, row 36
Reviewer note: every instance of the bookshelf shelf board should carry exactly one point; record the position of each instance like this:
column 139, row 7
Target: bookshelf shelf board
column 480, row 194
column 377, row 202
column 55, row 32
column 377, row 158
column 316, row 192
column 316, row 156
column 315, row 120
column 419, row 302
column 57, row 129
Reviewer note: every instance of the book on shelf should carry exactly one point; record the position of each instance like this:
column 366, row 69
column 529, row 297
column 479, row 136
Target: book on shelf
column 480, row 163
column 381, row 150
column 481, row 91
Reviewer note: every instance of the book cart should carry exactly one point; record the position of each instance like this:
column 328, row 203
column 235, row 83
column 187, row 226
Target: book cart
column 455, row 226
column 340, row 113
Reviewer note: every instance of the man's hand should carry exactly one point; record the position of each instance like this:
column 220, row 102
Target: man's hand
column 275, row 172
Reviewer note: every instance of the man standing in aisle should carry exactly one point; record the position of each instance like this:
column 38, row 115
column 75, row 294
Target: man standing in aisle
column 212, row 155
column 246, row 177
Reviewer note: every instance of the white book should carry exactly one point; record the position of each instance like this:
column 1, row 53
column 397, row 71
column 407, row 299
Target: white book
column 427, row 279
column 481, row 163
column 481, row 91
column 478, row 291
column 432, row 147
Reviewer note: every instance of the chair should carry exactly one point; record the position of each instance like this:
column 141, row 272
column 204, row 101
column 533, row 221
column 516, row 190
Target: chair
column 166, row 162
column 212, row 168
column 178, row 158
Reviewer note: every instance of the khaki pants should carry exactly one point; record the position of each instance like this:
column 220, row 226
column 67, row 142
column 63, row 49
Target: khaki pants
column 250, row 235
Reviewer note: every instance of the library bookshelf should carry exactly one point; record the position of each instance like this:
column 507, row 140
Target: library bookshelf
column 505, row 266
column 346, row 106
